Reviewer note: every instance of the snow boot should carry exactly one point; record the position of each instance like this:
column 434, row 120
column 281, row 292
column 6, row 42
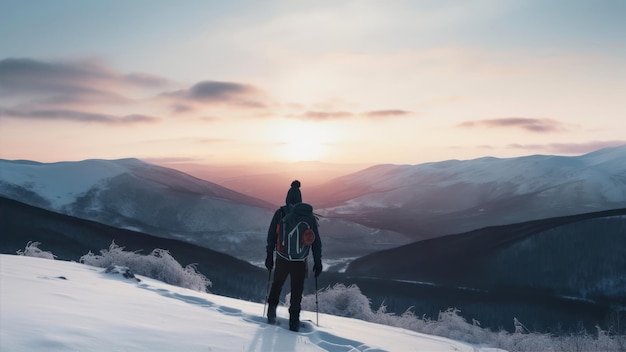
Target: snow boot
column 294, row 321
column 271, row 314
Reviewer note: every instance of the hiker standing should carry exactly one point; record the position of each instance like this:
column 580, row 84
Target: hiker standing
column 292, row 232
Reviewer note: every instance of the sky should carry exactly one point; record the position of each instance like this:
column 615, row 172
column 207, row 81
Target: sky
column 54, row 305
column 367, row 82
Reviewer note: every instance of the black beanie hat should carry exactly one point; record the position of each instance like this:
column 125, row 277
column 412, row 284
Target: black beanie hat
column 293, row 195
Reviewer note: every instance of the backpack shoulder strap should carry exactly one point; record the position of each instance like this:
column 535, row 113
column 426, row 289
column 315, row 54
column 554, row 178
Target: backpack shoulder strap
column 284, row 211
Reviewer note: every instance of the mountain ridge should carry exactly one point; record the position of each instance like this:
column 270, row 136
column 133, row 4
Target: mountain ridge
column 382, row 206
column 434, row 199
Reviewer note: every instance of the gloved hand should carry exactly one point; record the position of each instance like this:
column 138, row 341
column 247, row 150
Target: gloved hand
column 317, row 268
column 269, row 261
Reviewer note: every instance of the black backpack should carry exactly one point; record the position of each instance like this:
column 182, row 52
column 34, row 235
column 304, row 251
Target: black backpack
column 295, row 233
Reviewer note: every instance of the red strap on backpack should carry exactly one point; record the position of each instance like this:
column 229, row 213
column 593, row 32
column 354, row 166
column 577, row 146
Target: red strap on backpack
column 278, row 244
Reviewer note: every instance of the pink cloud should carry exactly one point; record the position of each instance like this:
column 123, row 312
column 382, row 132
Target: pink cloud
column 528, row 124
column 386, row 113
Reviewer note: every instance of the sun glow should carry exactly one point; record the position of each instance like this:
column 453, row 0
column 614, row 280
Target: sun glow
column 303, row 141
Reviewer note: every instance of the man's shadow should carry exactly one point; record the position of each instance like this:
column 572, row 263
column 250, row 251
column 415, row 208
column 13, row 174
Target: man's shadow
column 273, row 338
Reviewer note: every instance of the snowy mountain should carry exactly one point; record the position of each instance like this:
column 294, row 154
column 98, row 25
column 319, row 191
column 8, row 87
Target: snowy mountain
column 375, row 209
column 131, row 194
column 62, row 306
column 61, row 184
column 441, row 198
column 267, row 181
column 135, row 195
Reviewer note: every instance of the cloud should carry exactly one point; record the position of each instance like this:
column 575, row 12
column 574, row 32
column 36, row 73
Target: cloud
column 79, row 116
column 569, row 148
column 214, row 92
column 28, row 76
column 178, row 108
column 90, row 91
column 86, row 96
column 338, row 115
column 528, row 124
column 386, row 113
column 68, row 90
column 211, row 90
column 323, row 115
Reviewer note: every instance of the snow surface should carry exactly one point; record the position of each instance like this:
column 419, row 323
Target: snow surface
column 60, row 306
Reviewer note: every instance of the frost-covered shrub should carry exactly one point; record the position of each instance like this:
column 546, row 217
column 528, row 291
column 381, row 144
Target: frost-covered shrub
column 341, row 301
column 350, row 302
column 159, row 265
column 450, row 324
column 32, row 250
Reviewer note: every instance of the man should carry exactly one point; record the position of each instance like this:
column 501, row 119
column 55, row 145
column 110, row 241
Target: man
column 286, row 264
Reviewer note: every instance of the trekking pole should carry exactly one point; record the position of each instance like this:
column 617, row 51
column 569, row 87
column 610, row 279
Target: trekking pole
column 317, row 306
column 267, row 295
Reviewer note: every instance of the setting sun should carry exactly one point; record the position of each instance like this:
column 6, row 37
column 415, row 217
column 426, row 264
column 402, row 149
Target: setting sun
column 303, row 141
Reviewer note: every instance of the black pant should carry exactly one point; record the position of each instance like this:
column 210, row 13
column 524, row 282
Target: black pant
column 297, row 271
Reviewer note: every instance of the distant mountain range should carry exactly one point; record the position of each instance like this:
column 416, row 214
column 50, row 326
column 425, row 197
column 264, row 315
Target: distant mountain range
column 378, row 208
column 269, row 181
column 131, row 194
column 435, row 199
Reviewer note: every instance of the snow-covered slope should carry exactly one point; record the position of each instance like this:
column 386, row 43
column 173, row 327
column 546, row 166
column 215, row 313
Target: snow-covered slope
column 61, row 184
column 453, row 196
column 62, row 306
column 136, row 195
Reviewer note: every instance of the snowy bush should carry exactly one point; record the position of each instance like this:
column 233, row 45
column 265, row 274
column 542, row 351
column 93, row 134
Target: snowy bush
column 159, row 265
column 350, row 302
column 341, row 301
column 32, row 250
